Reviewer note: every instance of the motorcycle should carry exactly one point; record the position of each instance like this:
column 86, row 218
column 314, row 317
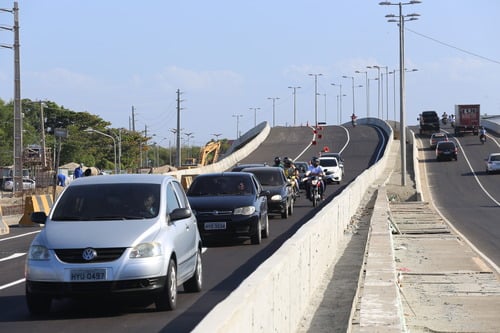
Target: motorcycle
column 444, row 120
column 353, row 123
column 482, row 138
column 315, row 189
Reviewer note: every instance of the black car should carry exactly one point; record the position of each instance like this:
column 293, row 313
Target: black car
column 240, row 167
column 280, row 199
column 229, row 204
column 446, row 150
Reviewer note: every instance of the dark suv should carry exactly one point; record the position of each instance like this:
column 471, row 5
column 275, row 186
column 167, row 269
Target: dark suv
column 429, row 122
column 446, row 150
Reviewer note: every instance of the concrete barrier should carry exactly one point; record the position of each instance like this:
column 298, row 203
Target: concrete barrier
column 35, row 203
column 4, row 227
column 274, row 297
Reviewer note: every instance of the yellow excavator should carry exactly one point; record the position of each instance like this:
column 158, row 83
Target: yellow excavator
column 210, row 153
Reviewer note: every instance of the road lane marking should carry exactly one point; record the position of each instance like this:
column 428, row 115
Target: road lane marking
column 22, row 235
column 474, row 172
column 5, row 286
column 13, row 256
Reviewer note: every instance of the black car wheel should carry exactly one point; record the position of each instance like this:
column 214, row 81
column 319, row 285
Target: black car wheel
column 194, row 284
column 167, row 300
column 265, row 232
column 257, row 236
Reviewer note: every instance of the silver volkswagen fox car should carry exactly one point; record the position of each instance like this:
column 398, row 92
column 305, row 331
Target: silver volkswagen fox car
column 127, row 235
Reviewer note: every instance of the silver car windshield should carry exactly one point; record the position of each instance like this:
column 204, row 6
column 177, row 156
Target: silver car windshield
column 108, row 202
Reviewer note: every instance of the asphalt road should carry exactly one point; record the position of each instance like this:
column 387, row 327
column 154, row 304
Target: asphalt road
column 464, row 193
column 225, row 265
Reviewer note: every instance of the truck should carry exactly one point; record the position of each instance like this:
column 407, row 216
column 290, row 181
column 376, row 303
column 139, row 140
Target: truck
column 467, row 119
column 429, row 122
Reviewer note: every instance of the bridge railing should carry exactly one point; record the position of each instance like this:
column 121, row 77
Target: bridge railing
column 274, row 297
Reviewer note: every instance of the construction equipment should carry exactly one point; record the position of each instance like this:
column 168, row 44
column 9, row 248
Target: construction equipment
column 210, row 153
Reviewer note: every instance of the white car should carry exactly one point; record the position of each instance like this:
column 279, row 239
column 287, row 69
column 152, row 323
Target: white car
column 28, row 184
column 120, row 235
column 331, row 168
column 493, row 163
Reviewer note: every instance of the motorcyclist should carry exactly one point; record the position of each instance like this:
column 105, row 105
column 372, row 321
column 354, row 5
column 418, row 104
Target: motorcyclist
column 482, row 133
column 314, row 170
column 444, row 117
column 277, row 162
column 292, row 174
column 353, row 119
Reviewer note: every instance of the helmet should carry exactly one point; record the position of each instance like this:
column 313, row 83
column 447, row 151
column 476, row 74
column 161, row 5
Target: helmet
column 315, row 161
column 287, row 161
column 277, row 160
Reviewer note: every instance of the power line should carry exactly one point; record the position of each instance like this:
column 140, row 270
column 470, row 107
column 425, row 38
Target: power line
column 454, row 47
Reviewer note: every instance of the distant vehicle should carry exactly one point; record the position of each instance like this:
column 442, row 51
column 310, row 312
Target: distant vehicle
column 302, row 168
column 240, row 167
column 437, row 137
column 229, row 205
column 493, row 163
column 338, row 157
column 280, row 199
column 429, row 122
column 331, row 168
column 28, row 184
column 115, row 236
column 467, row 119
column 446, row 150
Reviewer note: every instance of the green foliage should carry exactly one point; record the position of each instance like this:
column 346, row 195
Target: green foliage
column 80, row 146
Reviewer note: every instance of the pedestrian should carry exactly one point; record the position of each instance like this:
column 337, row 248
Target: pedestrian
column 78, row 171
column 61, row 180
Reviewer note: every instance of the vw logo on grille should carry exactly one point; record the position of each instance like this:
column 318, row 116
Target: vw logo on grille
column 89, row 254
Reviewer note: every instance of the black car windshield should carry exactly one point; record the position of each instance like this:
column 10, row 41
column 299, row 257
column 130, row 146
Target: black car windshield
column 108, row 202
column 220, row 185
column 269, row 177
column 446, row 145
column 328, row 162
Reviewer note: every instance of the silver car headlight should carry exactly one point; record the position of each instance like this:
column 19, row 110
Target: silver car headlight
column 146, row 250
column 248, row 210
column 38, row 252
column 276, row 197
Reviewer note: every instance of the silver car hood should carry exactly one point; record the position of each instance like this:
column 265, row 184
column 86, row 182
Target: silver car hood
column 98, row 234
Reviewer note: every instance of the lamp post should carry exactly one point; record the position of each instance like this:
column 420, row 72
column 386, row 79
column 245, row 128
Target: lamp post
column 217, row 136
column 368, row 88
column 367, row 93
column 324, row 95
column 353, row 99
column 254, row 115
column 274, row 105
column 401, row 20
column 378, row 89
column 315, row 98
column 294, row 103
column 188, row 136
column 339, row 113
column 237, row 116
column 91, row 130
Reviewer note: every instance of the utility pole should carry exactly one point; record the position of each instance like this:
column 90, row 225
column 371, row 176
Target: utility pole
column 178, row 131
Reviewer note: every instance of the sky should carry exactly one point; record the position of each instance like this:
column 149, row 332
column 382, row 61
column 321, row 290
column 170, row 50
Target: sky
column 234, row 61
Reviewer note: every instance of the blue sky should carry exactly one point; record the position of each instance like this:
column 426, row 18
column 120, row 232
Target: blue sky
column 229, row 56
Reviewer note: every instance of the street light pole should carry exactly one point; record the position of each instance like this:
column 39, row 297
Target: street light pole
column 315, row 98
column 91, row 130
column 352, row 78
column 367, row 93
column 237, row 116
column 378, row 89
column 254, row 115
column 339, row 113
column 401, row 20
column 294, row 104
column 274, row 104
